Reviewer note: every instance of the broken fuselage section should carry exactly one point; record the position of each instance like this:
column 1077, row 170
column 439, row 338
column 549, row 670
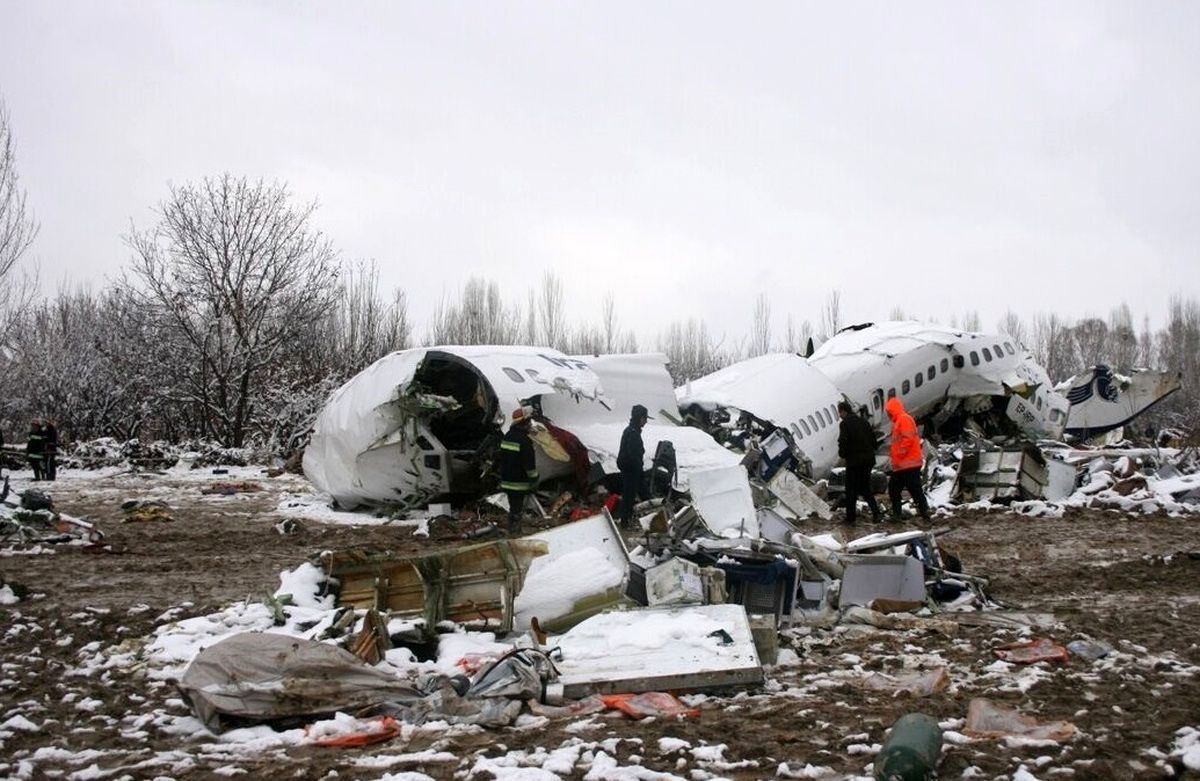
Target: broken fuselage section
column 1103, row 400
column 776, row 405
column 944, row 376
column 424, row 424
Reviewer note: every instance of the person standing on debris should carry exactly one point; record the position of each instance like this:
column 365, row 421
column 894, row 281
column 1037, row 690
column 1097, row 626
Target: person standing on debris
column 35, row 449
column 50, row 448
column 856, row 446
column 630, row 460
column 907, row 460
column 518, row 466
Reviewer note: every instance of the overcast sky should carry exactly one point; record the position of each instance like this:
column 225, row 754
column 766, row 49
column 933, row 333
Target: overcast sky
column 686, row 156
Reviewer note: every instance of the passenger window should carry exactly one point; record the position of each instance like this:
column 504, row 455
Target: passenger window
column 996, row 349
column 796, row 430
column 891, row 393
column 813, row 422
column 875, row 403
column 932, row 372
column 958, row 362
column 905, row 387
column 1039, row 403
column 1055, row 415
column 514, row 375
column 804, row 423
column 533, row 375
column 919, row 380
column 828, row 417
column 1008, row 346
column 945, row 365
column 987, row 354
column 974, row 358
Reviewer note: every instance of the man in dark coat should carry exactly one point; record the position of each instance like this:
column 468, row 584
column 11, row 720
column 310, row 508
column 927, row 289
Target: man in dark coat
column 35, row 448
column 50, row 447
column 630, row 460
column 518, row 466
column 856, row 446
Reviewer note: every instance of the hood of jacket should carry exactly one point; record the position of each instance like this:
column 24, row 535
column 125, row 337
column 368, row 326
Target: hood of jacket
column 894, row 408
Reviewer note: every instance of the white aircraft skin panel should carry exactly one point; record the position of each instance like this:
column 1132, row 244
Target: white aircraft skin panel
column 640, row 378
column 782, row 389
column 964, row 364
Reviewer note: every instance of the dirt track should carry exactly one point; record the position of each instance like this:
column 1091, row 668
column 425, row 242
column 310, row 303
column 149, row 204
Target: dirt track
column 1127, row 581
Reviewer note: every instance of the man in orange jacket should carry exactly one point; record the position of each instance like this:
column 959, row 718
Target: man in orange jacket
column 907, row 460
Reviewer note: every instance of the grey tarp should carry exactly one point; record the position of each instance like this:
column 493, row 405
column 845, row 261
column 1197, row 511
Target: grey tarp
column 270, row 676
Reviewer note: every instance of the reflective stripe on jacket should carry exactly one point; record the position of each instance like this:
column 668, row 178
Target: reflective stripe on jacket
column 906, row 442
column 518, row 463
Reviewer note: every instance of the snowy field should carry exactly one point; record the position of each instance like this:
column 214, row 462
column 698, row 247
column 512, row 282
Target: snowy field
column 89, row 655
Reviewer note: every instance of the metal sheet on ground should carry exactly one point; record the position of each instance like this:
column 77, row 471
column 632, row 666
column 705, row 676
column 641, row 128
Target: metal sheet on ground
column 871, row 577
column 622, row 651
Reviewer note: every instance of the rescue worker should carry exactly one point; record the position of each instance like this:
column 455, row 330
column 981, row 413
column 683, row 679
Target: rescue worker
column 518, row 466
column 856, row 446
column 630, row 461
column 907, row 460
column 35, row 449
column 50, row 449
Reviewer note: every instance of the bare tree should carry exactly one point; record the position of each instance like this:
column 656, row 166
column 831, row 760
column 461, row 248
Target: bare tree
column 1089, row 340
column 608, row 321
column 1011, row 324
column 478, row 317
column 530, row 334
column 1051, row 346
column 18, row 228
column 897, row 313
column 551, row 315
column 971, row 321
column 17, row 225
column 791, row 338
column 1146, row 344
column 831, row 314
column 236, row 271
column 1122, row 347
column 760, row 335
column 691, row 351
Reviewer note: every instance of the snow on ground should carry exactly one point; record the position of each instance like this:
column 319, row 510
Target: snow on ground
column 816, row 688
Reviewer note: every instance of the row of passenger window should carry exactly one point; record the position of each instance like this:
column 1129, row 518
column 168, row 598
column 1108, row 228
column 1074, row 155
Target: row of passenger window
column 822, row 418
column 919, row 378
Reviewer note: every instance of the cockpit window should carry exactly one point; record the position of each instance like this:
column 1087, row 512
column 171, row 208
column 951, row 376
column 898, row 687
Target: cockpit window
column 513, row 374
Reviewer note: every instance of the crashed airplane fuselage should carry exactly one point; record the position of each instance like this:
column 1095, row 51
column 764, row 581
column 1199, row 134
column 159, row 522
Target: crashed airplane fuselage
column 1102, row 400
column 422, row 424
column 779, row 400
column 943, row 375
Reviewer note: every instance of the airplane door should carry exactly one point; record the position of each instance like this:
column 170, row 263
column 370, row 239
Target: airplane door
column 877, row 414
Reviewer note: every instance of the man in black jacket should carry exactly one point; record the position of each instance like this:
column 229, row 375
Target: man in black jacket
column 856, row 446
column 630, row 460
column 35, row 449
column 50, row 447
column 518, row 466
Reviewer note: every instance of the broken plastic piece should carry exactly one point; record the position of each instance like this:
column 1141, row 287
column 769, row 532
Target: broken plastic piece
column 986, row 719
column 657, row 704
column 1040, row 650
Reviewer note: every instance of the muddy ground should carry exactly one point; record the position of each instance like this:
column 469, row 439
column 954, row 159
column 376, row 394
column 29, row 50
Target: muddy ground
column 1124, row 580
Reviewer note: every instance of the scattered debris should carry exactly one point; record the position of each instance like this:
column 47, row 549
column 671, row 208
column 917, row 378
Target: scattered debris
column 1040, row 650
column 148, row 511
column 474, row 585
column 987, row 719
column 229, row 489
